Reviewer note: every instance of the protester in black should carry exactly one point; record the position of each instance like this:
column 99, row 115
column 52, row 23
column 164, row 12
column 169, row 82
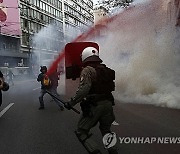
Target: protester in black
column 1, row 85
column 44, row 87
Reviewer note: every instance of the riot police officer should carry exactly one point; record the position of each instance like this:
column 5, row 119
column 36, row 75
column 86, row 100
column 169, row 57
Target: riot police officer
column 96, row 100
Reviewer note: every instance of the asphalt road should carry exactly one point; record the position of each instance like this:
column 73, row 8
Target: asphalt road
column 26, row 130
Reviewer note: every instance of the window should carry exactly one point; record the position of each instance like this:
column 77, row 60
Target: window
column 4, row 46
column 60, row 14
column 24, row 38
column 37, row 3
column 41, row 4
column 32, row 26
column 48, row 8
column 42, row 17
column 78, row 8
column 34, row 2
column 25, row 23
column 59, row 5
column 44, row 6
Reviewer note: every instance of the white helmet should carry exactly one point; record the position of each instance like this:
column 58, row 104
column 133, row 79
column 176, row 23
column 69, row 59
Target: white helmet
column 90, row 54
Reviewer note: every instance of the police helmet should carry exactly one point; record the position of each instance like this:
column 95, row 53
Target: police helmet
column 90, row 54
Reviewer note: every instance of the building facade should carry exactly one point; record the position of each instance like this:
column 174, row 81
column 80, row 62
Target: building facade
column 48, row 24
column 41, row 29
column 100, row 13
column 10, row 34
column 78, row 14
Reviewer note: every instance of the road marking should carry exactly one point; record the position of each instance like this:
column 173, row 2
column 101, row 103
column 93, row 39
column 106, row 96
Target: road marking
column 36, row 88
column 5, row 109
column 115, row 123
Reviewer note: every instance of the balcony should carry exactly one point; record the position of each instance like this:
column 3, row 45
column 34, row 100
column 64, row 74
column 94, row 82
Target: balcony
column 13, row 53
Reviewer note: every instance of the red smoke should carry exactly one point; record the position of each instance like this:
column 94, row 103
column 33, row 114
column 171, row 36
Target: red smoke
column 91, row 33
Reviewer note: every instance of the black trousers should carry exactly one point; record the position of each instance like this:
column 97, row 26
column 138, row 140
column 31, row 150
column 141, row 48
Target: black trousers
column 0, row 97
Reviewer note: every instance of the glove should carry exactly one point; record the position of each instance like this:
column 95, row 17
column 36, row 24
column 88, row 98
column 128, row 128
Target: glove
column 67, row 105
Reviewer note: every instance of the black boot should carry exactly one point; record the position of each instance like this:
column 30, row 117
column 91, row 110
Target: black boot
column 41, row 107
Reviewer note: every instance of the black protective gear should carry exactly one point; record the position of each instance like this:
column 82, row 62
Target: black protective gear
column 87, row 142
column 0, row 97
column 1, row 85
column 97, row 105
column 67, row 105
column 86, row 108
column 41, row 107
column 104, row 83
column 5, row 86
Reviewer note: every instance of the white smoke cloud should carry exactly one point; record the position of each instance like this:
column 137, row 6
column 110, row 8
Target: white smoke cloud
column 47, row 44
column 137, row 2
column 143, row 48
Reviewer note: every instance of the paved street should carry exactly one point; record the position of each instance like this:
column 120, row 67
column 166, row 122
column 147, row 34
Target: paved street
column 26, row 130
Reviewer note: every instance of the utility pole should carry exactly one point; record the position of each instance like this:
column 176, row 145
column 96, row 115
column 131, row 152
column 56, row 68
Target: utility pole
column 28, row 45
column 64, row 25
column 27, row 8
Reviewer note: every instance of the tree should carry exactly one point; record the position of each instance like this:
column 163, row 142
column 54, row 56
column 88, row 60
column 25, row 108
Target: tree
column 112, row 4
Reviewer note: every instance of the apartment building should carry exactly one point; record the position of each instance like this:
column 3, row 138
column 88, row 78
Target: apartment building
column 9, row 34
column 78, row 14
column 68, row 18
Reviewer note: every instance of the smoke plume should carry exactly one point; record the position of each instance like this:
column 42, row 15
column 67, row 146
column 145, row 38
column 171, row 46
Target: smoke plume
column 142, row 45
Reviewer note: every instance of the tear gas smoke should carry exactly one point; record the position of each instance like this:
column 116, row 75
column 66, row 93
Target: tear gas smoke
column 47, row 43
column 142, row 44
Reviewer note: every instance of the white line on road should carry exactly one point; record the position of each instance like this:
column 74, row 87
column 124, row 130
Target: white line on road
column 5, row 109
column 36, row 88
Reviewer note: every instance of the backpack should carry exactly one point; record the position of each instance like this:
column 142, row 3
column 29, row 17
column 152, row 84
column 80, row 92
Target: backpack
column 104, row 83
column 46, row 82
column 1, row 83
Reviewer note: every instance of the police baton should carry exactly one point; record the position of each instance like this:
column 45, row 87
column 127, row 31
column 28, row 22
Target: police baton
column 61, row 101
